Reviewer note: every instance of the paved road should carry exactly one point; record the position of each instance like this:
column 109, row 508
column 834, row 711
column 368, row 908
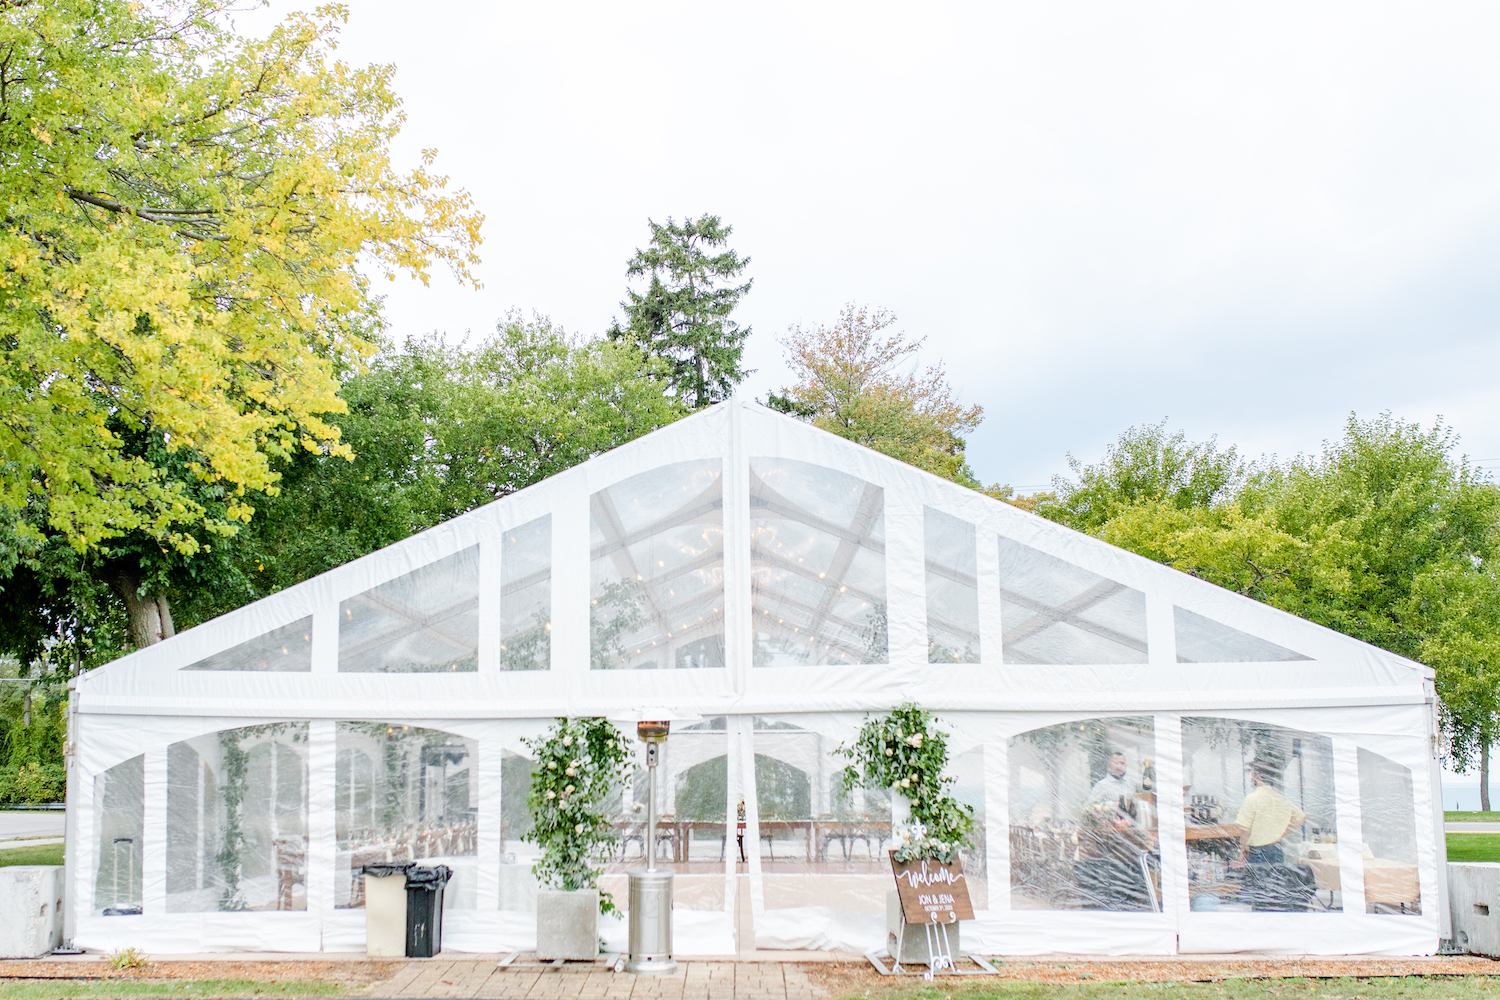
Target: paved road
column 27, row 823
column 1472, row 827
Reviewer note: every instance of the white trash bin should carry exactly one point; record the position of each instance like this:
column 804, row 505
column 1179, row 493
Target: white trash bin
column 385, row 910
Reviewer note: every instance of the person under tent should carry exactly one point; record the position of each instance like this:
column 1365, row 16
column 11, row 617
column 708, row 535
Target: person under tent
column 1267, row 817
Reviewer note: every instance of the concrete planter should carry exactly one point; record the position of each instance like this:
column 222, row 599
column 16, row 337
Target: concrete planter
column 567, row 924
column 30, row 910
column 914, row 949
column 1474, row 899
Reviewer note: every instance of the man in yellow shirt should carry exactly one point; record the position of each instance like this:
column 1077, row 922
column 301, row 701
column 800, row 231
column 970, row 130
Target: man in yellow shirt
column 1266, row 816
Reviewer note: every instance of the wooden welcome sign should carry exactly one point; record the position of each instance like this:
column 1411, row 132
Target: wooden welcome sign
column 932, row 892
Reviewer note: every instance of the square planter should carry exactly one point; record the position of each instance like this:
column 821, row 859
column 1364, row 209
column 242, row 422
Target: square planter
column 567, row 924
column 915, row 950
column 31, row 911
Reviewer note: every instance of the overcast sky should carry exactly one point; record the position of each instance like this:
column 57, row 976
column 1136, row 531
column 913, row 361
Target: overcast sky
column 1252, row 221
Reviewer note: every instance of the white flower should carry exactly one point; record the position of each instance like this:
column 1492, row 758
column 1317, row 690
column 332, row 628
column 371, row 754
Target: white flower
column 551, row 794
column 916, row 740
column 567, row 741
column 905, row 782
column 570, row 772
column 889, row 752
column 578, row 828
column 552, row 765
column 567, row 790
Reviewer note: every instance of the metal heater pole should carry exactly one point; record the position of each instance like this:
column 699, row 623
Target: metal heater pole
column 651, row 807
column 651, row 887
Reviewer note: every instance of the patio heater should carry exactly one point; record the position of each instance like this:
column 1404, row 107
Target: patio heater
column 651, row 887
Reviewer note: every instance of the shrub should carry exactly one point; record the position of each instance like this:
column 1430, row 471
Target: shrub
column 906, row 752
column 128, row 958
column 578, row 765
column 37, row 783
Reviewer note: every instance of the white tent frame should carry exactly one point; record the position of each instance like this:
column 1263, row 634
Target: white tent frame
column 1357, row 694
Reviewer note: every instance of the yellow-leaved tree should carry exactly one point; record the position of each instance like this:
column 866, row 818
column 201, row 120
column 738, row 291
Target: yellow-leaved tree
column 857, row 379
column 184, row 210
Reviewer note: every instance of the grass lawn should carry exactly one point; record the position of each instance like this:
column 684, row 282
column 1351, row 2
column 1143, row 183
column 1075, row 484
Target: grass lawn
column 1410, row 988
column 48, row 989
column 1472, row 817
column 1474, row 847
column 41, row 854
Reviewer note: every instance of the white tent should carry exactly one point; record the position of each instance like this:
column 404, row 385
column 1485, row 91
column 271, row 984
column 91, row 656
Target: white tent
column 781, row 584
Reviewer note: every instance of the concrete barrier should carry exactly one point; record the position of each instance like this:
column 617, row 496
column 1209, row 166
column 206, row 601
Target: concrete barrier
column 31, row 911
column 1474, row 901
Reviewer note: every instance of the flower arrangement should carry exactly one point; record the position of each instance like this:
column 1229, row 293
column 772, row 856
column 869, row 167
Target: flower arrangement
column 578, row 767
column 906, row 752
column 913, row 844
column 1101, row 813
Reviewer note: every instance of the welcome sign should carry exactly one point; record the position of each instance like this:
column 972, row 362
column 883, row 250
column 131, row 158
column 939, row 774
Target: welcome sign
column 932, row 892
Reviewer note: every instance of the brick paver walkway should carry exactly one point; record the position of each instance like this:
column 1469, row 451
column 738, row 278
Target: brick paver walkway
column 691, row 981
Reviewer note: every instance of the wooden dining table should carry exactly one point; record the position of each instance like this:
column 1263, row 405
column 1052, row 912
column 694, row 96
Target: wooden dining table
column 680, row 834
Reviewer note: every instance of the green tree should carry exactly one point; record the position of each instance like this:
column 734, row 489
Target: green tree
column 683, row 315
column 435, row 430
column 1146, row 465
column 851, row 380
column 1386, row 535
column 438, row 430
column 184, row 210
column 33, row 726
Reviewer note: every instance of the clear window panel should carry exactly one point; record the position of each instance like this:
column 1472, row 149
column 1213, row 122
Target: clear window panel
column 817, row 549
column 952, row 589
column 692, row 831
column 119, row 832
column 968, row 788
column 426, row 621
column 819, row 846
column 657, row 570
column 1261, row 818
column 1388, row 827
column 1052, row 611
column 526, row 596
column 1203, row 640
column 518, row 887
column 1083, row 820
column 237, row 820
column 406, row 794
column 288, row 648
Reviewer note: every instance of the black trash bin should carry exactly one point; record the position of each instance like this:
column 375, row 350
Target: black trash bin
column 424, row 909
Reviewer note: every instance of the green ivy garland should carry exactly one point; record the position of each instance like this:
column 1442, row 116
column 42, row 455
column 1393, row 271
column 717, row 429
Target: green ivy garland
column 232, row 842
column 578, row 767
column 906, row 752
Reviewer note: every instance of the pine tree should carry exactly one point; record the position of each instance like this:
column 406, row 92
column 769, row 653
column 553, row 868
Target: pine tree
column 683, row 316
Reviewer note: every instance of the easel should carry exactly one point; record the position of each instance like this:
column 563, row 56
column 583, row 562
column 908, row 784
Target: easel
column 939, row 948
column 940, row 958
column 939, row 936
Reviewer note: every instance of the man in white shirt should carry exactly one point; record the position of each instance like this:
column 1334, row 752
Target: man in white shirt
column 1114, row 789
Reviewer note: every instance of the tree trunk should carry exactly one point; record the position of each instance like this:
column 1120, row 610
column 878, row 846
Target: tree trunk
column 150, row 617
column 1484, row 774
